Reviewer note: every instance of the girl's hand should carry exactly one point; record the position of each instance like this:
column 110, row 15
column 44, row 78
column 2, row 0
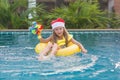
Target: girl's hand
column 84, row 50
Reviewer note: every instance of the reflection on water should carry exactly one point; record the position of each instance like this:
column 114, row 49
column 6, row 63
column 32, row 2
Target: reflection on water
column 7, row 39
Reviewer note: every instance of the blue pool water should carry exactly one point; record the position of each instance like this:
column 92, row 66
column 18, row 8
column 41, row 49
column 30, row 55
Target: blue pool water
column 102, row 62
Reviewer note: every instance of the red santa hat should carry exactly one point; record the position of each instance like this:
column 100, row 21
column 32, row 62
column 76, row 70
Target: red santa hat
column 58, row 23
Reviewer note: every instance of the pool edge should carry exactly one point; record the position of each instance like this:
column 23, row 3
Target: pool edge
column 67, row 29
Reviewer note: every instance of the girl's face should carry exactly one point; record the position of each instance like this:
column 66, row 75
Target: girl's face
column 59, row 31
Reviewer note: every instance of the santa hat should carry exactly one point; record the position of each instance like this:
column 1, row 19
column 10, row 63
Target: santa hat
column 58, row 23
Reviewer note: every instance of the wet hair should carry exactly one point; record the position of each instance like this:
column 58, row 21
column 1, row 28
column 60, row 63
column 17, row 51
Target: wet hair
column 55, row 37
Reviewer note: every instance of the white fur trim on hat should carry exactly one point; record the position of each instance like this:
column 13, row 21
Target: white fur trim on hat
column 58, row 24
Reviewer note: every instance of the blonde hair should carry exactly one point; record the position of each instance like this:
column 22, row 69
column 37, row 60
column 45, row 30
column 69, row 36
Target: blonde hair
column 55, row 37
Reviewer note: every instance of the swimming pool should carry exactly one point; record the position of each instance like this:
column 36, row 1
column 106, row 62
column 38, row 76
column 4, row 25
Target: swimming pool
column 18, row 59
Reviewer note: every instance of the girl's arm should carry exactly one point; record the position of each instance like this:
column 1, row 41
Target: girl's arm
column 79, row 44
column 42, row 40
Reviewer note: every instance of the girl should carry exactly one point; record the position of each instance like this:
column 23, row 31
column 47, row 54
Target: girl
column 59, row 39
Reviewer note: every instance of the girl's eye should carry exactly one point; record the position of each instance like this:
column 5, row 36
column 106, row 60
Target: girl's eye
column 56, row 29
column 60, row 28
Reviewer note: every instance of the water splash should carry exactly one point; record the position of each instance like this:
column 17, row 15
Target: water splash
column 97, row 73
column 74, row 68
column 117, row 65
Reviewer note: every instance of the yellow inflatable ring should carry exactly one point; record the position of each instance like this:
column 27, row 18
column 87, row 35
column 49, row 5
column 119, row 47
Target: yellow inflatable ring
column 70, row 50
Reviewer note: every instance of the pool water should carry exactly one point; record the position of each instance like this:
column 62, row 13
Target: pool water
column 102, row 62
